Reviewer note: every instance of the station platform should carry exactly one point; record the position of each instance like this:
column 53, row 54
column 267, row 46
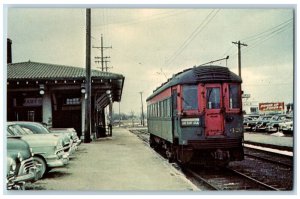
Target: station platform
column 275, row 140
column 122, row 162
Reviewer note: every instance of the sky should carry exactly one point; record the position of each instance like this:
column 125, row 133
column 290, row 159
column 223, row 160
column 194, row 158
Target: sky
column 150, row 45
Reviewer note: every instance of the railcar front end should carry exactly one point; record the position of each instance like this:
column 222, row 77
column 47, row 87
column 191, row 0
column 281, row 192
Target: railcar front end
column 198, row 117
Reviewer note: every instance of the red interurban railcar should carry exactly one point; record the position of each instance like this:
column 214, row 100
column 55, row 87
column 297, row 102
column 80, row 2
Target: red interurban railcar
column 196, row 116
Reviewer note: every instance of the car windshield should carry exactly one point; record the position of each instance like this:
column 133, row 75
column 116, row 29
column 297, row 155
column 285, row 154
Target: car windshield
column 35, row 128
column 17, row 130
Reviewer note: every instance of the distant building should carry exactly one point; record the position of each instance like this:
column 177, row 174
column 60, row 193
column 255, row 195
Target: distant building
column 250, row 107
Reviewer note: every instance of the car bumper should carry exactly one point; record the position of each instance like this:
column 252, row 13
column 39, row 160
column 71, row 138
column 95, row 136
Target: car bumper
column 78, row 142
column 56, row 161
column 12, row 185
column 33, row 174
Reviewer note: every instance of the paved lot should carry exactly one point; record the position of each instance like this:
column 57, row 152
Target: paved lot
column 118, row 163
column 269, row 139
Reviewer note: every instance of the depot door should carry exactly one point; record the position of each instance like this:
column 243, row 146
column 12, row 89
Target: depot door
column 213, row 111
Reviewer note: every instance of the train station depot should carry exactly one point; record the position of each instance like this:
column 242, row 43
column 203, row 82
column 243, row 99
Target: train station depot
column 56, row 95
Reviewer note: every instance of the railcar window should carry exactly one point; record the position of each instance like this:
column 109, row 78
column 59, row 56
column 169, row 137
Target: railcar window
column 189, row 98
column 213, row 98
column 169, row 108
column 174, row 102
column 234, row 98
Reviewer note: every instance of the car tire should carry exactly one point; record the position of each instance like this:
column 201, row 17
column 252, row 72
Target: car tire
column 43, row 164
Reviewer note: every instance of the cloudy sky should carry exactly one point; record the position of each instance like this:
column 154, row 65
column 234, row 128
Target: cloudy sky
column 149, row 45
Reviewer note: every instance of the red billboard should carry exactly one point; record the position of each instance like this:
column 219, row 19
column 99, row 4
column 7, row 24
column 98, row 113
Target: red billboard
column 273, row 106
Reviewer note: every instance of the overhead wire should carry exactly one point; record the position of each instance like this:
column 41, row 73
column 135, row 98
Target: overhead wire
column 150, row 18
column 198, row 29
column 263, row 36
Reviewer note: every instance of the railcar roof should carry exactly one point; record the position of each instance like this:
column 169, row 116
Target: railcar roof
column 199, row 74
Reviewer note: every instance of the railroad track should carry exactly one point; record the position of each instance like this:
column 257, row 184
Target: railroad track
column 240, row 176
column 268, row 156
column 142, row 134
column 225, row 179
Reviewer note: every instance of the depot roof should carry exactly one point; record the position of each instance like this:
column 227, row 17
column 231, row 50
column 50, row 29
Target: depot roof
column 49, row 73
column 40, row 71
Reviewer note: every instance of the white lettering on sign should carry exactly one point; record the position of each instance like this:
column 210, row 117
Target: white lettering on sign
column 277, row 106
column 190, row 121
column 33, row 102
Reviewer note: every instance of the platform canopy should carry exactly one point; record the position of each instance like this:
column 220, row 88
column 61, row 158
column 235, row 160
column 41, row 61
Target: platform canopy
column 30, row 76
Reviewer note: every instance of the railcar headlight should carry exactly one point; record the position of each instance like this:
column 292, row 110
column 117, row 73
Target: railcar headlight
column 20, row 157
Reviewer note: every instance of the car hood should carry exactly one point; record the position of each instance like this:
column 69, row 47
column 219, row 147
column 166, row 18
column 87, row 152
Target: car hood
column 41, row 140
column 17, row 145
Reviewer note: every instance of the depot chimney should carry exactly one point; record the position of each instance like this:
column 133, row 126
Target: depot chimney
column 9, row 54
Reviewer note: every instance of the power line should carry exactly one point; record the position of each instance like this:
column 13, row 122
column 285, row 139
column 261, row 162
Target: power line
column 199, row 28
column 151, row 18
column 257, row 36
column 263, row 36
column 267, row 37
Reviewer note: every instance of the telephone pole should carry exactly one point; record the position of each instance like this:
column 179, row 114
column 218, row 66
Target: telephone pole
column 239, row 55
column 87, row 129
column 102, row 56
column 142, row 109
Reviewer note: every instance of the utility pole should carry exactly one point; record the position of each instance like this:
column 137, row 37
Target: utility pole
column 87, row 129
column 239, row 55
column 102, row 56
column 142, row 109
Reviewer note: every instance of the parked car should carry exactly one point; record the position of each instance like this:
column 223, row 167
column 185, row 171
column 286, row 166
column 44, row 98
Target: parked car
column 71, row 131
column 273, row 125
column 38, row 128
column 262, row 123
column 287, row 127
column 21, row 167
column 47, row 148
column 249, row 123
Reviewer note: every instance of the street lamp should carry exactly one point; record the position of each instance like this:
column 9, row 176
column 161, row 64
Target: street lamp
column 42, row 89
column 82, row 88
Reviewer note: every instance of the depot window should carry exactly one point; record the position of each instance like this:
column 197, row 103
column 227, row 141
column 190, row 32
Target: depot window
column 234, row 97
column 189, row 98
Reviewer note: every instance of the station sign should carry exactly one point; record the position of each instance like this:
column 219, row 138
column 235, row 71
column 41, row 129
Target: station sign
column 273, row 106
column 33, row 102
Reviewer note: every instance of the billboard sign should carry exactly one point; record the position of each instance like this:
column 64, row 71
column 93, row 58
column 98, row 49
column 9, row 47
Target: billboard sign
column 273, row 106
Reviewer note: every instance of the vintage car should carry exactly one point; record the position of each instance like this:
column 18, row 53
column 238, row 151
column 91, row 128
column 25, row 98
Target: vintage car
column 249, row 123
column 21, row 167
column 47, row 148
column 286, row 127
column 71, row 131
column 38, row 128
column 261, row 123
column 273, row 125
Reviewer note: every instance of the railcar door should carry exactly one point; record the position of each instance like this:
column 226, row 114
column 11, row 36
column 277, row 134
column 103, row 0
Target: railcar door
column 213, row 111
column 174, row 114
